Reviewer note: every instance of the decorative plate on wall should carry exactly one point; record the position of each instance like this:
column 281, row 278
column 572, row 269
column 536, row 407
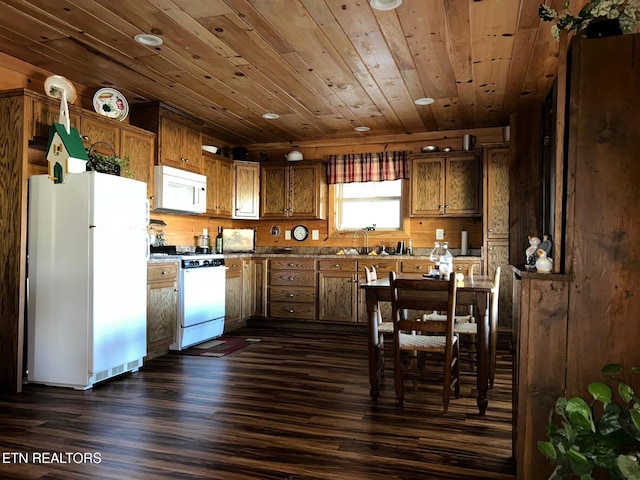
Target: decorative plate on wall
column 111, row 103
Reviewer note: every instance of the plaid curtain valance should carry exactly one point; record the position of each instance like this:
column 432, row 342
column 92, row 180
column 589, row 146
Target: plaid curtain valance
column 367, row 167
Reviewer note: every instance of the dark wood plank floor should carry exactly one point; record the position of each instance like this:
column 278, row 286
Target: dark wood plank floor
column 294, row 406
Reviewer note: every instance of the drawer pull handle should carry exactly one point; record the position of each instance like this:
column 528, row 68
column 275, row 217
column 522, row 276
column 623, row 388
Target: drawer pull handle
column 336, row 265
column 290, row 295
column 419, row 267
column 291, row 310
column 164, row 272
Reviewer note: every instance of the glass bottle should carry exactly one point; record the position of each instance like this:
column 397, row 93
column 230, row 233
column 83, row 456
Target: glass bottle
column 446, row 261
column 434, row 256
column 219, row 241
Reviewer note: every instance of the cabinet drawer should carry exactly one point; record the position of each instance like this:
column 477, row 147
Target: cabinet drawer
column 161, row 271
column 383, row 267
column 292, row 277
column 416, row 266
column 465, row 266
column 292, row 294
column 334, row 265
column 292, row 264
column 304, row 311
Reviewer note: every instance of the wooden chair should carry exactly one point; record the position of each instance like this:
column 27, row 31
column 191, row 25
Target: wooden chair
column 466, row 326
column 413, row 337
column 384, row 328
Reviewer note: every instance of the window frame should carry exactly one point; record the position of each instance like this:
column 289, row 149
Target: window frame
column 336, row 233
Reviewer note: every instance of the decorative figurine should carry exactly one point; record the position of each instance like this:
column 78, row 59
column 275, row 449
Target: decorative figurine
column 530, row 254
column 546, row 245
column 543, row 264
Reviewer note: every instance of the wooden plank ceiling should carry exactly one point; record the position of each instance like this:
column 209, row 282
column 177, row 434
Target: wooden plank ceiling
column 325, row 66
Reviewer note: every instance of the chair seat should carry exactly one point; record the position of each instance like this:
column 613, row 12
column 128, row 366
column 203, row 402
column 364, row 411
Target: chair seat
column 385, row 327
column 466, row 327
column 427, row 343
column 441, row 317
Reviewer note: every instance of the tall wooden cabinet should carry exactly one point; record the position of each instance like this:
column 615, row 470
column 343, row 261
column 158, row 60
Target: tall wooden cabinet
column 496, row 224
column 26, row 117
column 570, row 324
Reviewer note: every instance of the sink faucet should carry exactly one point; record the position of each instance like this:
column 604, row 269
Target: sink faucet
column 366, row 239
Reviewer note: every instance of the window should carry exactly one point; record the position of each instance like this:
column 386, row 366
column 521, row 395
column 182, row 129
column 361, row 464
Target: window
column 360, row 205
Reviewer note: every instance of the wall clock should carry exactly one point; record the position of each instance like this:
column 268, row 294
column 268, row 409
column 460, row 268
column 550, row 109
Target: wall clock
column 300, row 232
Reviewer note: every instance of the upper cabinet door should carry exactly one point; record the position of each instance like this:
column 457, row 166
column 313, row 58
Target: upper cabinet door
column 246, row 197
column 497, row 193
column 274, row 194
column 427, row 186
column 445, row 185
column 295, row 191
column 462, row 187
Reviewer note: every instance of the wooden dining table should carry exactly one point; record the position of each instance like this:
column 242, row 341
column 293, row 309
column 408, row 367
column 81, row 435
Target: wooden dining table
column 474, row 291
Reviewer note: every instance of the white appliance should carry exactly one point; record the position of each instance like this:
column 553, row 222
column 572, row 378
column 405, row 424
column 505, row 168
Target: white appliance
column 201, row 299
column 179, row 191
column 87, row 273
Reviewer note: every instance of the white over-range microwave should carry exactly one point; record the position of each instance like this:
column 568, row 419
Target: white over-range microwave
column 179, row 191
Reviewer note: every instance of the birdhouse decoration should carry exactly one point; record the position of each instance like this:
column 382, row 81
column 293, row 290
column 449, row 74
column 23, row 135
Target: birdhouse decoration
column 65, row 152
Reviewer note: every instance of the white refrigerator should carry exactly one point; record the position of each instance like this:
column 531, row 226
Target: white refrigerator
column 87, row 278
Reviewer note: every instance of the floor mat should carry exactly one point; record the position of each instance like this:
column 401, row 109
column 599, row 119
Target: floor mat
column 218, row 347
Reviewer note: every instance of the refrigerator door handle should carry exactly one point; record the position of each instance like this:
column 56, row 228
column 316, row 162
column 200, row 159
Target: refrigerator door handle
column 147, row 206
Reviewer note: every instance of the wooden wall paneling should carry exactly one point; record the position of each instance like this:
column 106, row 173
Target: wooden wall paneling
column 602, row 226
column 541, row 356
column 524, row 181
column 14, row 114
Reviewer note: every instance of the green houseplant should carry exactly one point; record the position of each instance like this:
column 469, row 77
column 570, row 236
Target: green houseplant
column 109, row 163
column 601, row 436
column 626, row 12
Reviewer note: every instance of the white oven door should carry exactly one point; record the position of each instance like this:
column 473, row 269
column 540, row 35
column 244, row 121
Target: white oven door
column 202, row 296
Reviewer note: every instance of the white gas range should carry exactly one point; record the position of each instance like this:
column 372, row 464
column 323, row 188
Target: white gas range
column 201, row 298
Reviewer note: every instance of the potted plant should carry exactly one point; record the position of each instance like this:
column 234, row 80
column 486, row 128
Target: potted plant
column 601, row 436
column 614, row 16
column 109, row 163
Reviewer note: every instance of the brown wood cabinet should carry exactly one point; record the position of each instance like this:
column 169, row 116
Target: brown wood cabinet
column 246, row 190
column 254, row 303
column 295, row 191
column 496, row 224
column 445, row 184
column 292, row 288
column 101, row 134
column 139, row 146
column 179, row 138
column 337, row 290
column 46, row 111
column 234, row 294
column 219, row 173
column 162, row 309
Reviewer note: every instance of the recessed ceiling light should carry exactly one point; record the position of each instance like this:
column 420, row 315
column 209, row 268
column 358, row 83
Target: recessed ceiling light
column 385, row 4
column 362, row 129
column 424, row 101
column 270, row 116
column 148, row 40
